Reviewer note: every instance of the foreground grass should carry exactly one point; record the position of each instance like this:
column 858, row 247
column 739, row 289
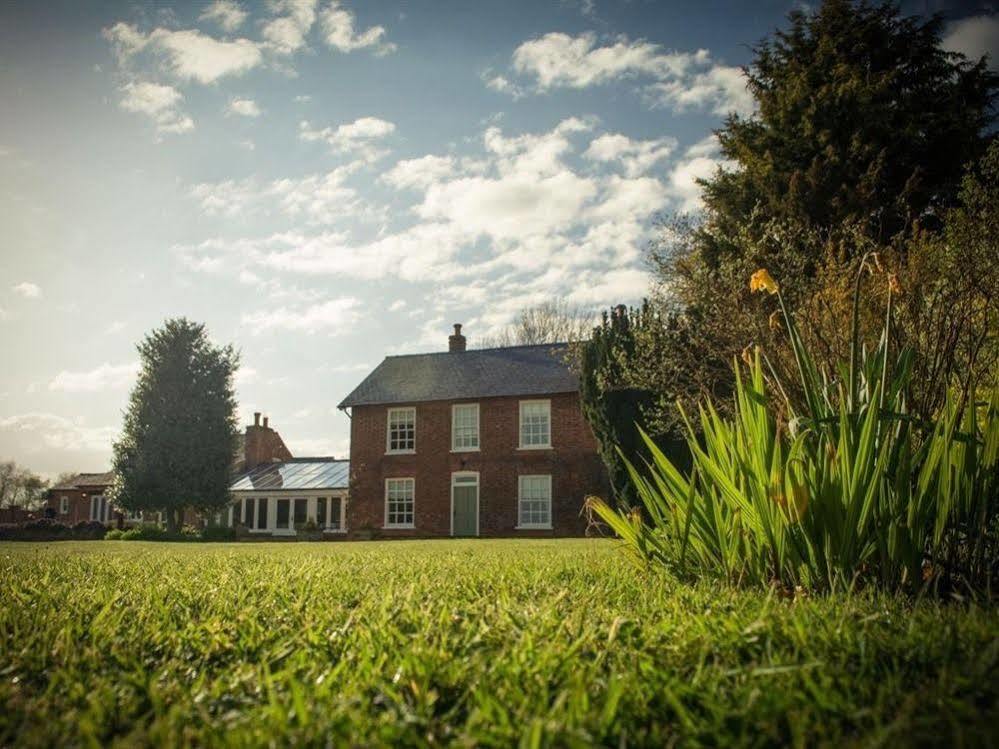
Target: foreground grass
column 477, row 642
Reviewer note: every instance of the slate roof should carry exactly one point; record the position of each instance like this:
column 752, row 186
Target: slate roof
column 483, row 373
column 87, row 480
column 295, row 474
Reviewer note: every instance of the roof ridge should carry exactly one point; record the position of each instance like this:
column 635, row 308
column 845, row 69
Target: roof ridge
column 481, row 350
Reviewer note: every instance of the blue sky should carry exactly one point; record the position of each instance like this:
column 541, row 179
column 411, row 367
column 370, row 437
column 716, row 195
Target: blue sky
column 324, row 183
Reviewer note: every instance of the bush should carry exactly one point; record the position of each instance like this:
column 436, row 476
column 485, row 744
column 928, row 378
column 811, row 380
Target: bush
column 46, row 529
column 851, row 488
column 89, row 530
column 113, row 535
column 218, row 533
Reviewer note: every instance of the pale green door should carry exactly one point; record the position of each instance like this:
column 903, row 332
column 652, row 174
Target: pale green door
column 466, row 509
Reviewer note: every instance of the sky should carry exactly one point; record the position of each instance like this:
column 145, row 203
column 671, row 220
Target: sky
column 326, row 183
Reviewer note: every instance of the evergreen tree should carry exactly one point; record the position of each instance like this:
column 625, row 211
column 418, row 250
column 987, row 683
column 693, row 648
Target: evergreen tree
column 864, row 127
column 180, row 431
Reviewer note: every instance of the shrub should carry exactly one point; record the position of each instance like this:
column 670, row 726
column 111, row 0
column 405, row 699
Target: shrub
column 114, row 535
column 89, row 530
column 218, row 533
column 852, row 488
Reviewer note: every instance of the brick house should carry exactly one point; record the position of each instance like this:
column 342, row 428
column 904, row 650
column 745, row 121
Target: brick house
column 489, row 442
column 82, row 498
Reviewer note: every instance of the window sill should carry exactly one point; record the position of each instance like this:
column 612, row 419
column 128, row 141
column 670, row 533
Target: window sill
column 465, row 450
column 398, row 527
column 400, row 452
column 334, row 530
column 532, row 527
column 535, row 447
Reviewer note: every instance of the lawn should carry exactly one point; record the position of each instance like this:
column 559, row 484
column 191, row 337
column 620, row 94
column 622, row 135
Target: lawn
column 466, row 642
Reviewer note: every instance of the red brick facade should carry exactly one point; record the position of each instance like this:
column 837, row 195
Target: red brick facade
column 572, row 462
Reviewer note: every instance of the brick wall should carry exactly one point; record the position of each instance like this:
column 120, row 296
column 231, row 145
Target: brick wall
column 572, row 462
column 79, row 504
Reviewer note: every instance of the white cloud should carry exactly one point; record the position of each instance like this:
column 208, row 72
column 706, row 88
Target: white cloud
column 244, row 107
column 226, row 13
column 115, row 327
column 104, row 377
column 303, row 98
column 636, row 156
column 318, row 198
column 522, row 211
column 358, row 137
column 700, row 161
column 187, row 54
column 974, row 37
column 338, row 30
column 27, row 289
column 59, row 433
column 286, row 33
column 557, row 59
column 334, row 315
column 397, row 305
column 159, row 103
column 503, row 85
column 681, row 80
column 419, row 173
column 720, row 89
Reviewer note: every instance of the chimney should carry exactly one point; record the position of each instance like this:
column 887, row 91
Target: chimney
column 261, row 444
column 456, row 342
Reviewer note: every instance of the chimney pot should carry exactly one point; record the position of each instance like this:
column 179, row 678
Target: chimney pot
column 266, row 418
column 456, row 341
column 256, row 418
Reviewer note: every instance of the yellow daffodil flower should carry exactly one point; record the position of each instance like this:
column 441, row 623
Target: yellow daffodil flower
column 763, row 281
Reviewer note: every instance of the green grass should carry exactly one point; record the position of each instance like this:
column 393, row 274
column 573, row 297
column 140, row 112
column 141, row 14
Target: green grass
column 477, row 642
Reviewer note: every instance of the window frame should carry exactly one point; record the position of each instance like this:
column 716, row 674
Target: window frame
column 478, row 428
column 410, row 525
column 520, row 424
column 64, row 505
column 520, row 499
column 388, row 431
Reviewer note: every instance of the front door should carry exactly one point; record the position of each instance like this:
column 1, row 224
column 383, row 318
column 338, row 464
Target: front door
column 465, row 504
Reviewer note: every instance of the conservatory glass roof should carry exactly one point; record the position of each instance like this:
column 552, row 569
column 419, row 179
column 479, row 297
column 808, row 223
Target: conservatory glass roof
column 295, row 474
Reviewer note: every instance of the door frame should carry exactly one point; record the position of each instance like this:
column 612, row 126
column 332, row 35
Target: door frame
column 478, row 496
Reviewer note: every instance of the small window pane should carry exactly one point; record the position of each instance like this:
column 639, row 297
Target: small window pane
column 399, row 501
column 465, row 427
column 321, row 512
column 283, row 507
column 262, row 513
column 401, row 430
column 248, row 512
column 301, row 511
column 535, row 424
column 335, row 511
column 535, row 501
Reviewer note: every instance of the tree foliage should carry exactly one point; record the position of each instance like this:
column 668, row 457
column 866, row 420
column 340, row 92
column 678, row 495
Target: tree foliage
column 19, row 487
column 180, row 429
column 863, row 128
column 867, row 137
column 621, row 387
column 555, row 321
